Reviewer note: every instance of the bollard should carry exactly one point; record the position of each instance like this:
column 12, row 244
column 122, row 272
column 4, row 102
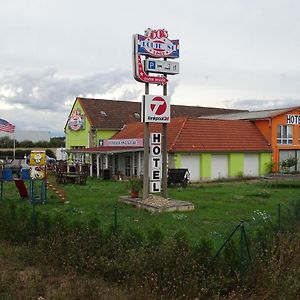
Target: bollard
column 279, row 217
column 115, row 219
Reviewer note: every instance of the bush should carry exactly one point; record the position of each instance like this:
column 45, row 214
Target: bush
column 288, row 163
column 166, row 267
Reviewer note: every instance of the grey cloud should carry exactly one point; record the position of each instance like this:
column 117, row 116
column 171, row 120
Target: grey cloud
column 49, row 91
column 257, row 104
column 172, row 87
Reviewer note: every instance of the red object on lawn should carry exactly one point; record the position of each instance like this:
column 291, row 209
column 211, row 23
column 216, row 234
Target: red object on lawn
column 21, row 188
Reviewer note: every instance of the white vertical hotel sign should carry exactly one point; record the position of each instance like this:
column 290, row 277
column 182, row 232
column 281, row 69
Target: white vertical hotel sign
column 155, row 162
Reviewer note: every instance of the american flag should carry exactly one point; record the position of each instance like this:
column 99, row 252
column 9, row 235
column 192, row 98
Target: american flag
column 6, row 126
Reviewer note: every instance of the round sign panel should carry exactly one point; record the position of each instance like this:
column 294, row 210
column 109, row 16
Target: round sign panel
column 76, row 120
column 158, row 105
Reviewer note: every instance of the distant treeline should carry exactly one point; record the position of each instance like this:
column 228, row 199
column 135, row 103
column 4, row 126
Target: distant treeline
column 55, row 142
column 21, row 153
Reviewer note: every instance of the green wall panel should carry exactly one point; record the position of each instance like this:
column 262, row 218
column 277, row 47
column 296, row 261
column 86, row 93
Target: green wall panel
column 264, row 160
column 205, row 165
column 81, row 137
column 78, row 138
column 235, row 164
column 177, row 160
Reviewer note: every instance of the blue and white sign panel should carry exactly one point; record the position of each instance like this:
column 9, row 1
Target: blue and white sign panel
column 156, row 44
column 161, row 66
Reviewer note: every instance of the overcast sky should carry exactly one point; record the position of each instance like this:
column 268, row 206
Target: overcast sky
column 233, row 53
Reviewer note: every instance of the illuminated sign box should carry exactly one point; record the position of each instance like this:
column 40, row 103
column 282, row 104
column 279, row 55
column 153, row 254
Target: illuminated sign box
column 161, row 66
column 157, row 47
column 293, row 119
column 37, row 158
column 156, row 109
column 155, row 162
column 122, row 143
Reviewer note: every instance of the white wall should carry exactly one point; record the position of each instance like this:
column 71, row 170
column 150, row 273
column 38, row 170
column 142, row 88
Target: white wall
column 251, row 165
column 192, row 163
column 219, row 166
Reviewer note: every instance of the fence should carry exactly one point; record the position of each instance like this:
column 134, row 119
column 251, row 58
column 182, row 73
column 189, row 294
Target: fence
column 282, row 218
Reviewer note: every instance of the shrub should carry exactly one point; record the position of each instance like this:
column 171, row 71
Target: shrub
column 169, row 267
column 288, row 163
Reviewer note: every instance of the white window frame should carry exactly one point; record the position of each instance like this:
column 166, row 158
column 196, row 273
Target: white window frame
column 284, row 135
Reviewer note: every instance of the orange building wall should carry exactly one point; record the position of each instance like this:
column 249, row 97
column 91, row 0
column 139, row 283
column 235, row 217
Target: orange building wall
column 264, row 127
column 269, row 130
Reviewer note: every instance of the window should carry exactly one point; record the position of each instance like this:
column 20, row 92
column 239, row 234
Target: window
column 285, row 135
column 135, row 166
column 127, row 166
column 103, row 113
column 137, row 116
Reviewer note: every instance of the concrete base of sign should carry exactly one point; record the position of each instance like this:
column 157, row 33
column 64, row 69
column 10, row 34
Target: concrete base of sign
column 158, row 204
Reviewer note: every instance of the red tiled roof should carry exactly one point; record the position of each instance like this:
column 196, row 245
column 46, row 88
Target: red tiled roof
column 219, row 135
column 201, row 135
column 136, row 130
column 118, row 113
column 198, row 135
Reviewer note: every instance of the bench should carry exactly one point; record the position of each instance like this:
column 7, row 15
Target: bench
column 178, row 177
column 78, row 178
column 65, row 173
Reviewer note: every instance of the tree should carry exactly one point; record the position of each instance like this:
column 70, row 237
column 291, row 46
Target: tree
column 6, row 142
column 57, row 142
column 26, row 144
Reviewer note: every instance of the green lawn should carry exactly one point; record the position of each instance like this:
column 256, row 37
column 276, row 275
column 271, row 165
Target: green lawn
column 219, row 207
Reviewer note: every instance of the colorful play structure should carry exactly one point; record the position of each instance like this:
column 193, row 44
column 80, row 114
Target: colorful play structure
column 35, row 173
column 31, row 178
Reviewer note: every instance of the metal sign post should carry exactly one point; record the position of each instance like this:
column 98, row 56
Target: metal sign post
column 146, row 151
column 164, row 192
column 155, row 45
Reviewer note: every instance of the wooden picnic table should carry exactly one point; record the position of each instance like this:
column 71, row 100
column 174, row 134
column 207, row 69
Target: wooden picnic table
column 72, row 177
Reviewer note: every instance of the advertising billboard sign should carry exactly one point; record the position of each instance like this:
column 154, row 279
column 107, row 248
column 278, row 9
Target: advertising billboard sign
column 155, row 162
column 140, row 75
column 155, row 43
column 156, row 109
column 76, row 120
column 139, row 142
column 161, row 66
column 293, row 119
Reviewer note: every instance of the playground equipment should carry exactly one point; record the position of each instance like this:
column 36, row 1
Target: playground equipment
column 21, row 188
column 37, row 182
column 9, row 172
column 35, row 172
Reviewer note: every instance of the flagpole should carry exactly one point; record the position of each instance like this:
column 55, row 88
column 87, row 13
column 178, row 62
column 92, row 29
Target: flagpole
column 14, row 147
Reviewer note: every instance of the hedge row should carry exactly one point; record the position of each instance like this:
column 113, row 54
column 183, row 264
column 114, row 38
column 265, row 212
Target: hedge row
column 167, row 267
column 19, row 154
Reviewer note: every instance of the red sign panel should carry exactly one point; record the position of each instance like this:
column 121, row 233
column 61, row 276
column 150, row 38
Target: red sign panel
column 156, row 109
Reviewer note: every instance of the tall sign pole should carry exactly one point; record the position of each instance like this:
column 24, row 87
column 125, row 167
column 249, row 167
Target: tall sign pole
column 146, row 152
column 156, row 48
column 164, row 192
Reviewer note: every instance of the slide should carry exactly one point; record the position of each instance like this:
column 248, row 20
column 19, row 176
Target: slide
column 21, row 187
